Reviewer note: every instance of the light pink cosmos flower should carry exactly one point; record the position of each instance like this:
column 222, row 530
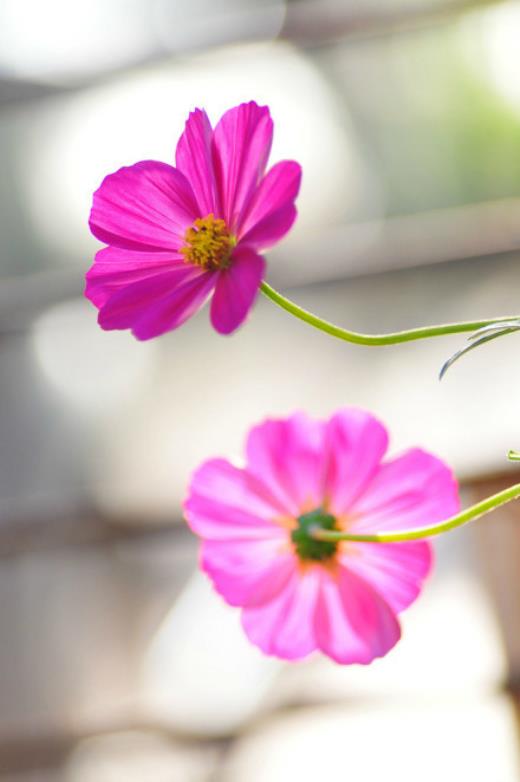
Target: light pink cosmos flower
column 178, row 235
column 299, row 595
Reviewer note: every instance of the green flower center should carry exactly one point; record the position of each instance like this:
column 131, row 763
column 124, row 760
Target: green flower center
column 306, row 546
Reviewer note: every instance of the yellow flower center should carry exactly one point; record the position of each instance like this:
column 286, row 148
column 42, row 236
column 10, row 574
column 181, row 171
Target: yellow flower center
column 208, row 243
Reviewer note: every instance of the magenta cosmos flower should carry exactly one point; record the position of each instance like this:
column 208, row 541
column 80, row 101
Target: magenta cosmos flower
column 297, row 594
column 177, row 236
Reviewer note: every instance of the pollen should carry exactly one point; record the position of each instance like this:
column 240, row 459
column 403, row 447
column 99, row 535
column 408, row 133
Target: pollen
column 208, row 243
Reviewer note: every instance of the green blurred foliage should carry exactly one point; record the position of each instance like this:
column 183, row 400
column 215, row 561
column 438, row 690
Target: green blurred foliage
column 430, row 119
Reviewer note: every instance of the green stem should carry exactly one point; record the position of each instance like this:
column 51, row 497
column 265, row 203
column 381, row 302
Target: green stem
column 422, row 332
column 470, row 514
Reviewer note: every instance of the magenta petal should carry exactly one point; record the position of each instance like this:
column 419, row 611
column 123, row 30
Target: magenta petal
column 176, row 308
column 395, row 570
column 115, row 268
column 353, row 623
column 226, row 503
column 146, row 206
column 236, row 290
column 272, row 211
column 412, row 490
column 284, row 626
column 286, row 455
column 193, row 158
column 273, row 228
column 248, row 571
column 241, row 145
column 157, row 304
column 356, row 443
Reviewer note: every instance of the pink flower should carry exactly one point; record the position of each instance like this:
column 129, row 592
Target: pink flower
column 299, row 595
column 177, row 236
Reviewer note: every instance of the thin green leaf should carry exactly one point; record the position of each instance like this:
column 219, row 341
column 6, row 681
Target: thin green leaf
column 501, row 326
column 486, row 337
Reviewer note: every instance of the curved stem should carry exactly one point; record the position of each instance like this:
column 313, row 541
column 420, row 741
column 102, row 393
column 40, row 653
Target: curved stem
column 470, row 514
column 423, row 332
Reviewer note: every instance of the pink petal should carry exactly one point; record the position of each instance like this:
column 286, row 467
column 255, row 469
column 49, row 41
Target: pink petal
column 115, row 268
column 356, row 443
column 146, row 206
column 413, row 490
column 193, row 159
column 236, row 290
column 284, row 626
column 226, row 503
column 395, row 570
column 273, row 228
column 157, row 304
column 241, row 145
column 272, row 211
column 248, row 571
column 286, row 455
column 353, row 623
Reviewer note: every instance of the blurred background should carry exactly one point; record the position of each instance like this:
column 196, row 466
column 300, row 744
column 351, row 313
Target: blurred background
column 117, row 661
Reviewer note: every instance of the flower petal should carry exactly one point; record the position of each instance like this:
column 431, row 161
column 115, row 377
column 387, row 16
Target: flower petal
column 356, row 443
column 353, row 623
column 273, row 228
column 412, row 490
column 157, row 304
column 286, row 455
column 115, row 268
column 395, row 570
column 248, row 571
column 241, row 145
column 146, row 206
column 272, row 210
column 236, row 290
column 227, row 503
column 284, row 626
column 193, row 158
